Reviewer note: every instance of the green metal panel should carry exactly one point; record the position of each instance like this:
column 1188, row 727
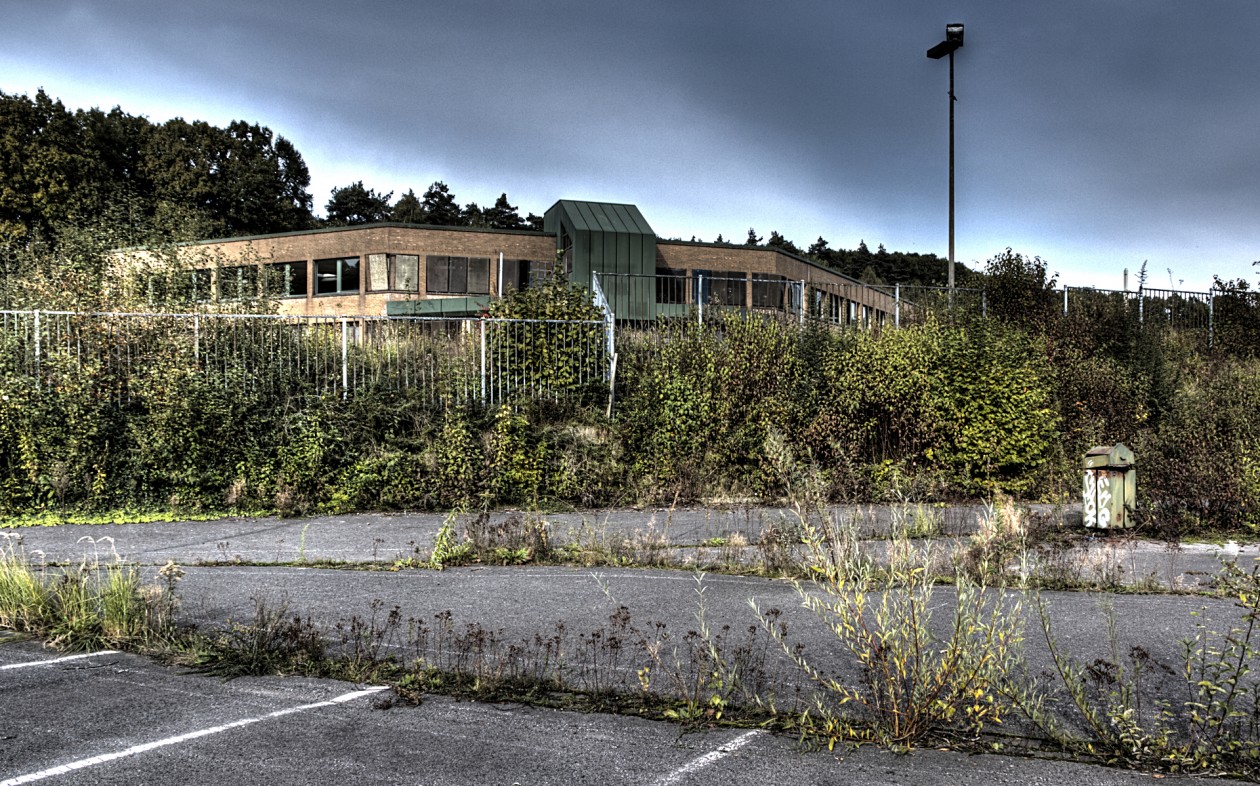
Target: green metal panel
column 609, row 238
column 438, row 307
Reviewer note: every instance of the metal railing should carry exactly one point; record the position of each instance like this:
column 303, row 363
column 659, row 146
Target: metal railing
column 645, row 299
column 484, row 360
column 640, row 300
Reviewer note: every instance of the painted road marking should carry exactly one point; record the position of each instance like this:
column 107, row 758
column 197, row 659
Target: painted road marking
column 192, row 735
column 700, row 763
column 55, row 661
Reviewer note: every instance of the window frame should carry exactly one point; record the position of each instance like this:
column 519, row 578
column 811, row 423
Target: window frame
column 339, row 275
column 456, row 275
column 285, row 291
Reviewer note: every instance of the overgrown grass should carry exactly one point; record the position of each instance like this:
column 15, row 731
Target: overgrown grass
column 101, row 602
column 53, row 519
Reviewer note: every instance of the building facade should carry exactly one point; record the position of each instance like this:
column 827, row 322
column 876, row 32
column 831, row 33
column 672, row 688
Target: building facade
column 414, row 270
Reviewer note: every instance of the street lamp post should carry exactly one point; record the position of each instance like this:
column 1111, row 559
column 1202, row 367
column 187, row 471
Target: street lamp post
column 953, row 41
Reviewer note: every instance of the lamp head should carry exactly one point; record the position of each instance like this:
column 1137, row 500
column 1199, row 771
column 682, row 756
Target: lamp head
column 954, row 34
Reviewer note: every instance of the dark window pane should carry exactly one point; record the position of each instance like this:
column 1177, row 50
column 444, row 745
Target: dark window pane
column 671, row 285
column 235, row 283
column 702, row 286
column 769, row 292
column 479, row 276
column 459, row 274
column 296, row 283
column 350, row 275
column 326, row 276
column 201, row 285
column 511, row 275
column 437, row 274
column 286, row 279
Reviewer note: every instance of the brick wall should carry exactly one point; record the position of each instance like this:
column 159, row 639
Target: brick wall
column 360, row 242
column 761, row 261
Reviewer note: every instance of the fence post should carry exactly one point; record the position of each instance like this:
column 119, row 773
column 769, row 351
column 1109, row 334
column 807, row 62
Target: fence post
column 984, row 305
column 1211, row 317
column 197, row 337
column 345, row 368
column 38, row 349
column 896, row 305
column 700, row 298
column 1065, row 293
column 802, row 301
column 482, row 323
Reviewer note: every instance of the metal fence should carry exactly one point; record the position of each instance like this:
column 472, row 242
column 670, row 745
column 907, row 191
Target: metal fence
column 460, row 359
column 644, row 300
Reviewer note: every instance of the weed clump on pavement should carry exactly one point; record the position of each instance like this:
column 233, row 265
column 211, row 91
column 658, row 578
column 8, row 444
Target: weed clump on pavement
column 96, row 603
column 913, row 681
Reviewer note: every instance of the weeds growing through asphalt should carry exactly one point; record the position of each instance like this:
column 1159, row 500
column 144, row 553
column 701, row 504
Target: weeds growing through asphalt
column 1201, row 714
column 915, row 679
column 910, row 662
column 99, row 602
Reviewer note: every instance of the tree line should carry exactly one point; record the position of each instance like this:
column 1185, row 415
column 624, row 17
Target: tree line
column 181, row 180
column 178, row 180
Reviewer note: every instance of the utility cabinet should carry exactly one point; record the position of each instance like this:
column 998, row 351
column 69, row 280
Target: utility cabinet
column 1110, row 490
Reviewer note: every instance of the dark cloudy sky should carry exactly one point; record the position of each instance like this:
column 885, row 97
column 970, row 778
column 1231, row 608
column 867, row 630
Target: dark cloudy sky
column 1094, row 133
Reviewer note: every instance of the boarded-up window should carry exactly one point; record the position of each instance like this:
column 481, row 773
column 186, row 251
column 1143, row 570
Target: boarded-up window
column 378, row 272
column 407, row 272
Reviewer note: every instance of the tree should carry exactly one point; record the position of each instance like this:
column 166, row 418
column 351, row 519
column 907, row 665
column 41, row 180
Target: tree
column 407, row 209
column 440, row 207
column 783, row 244
column 242, row 178
column 503, row 215
column 752, row 240
column 1018, row 288
column 355, row 204
column 719, row 239
column 45, row 177
column 473, row 216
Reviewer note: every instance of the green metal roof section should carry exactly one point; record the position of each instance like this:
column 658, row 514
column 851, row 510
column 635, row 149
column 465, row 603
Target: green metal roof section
column 605, row 237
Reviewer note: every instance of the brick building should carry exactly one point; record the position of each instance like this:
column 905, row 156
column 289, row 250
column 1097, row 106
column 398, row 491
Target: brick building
column 404, row 269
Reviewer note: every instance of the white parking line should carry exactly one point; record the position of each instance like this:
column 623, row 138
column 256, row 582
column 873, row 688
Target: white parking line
column 56, row 660
column 701, row 762
column 192, row 735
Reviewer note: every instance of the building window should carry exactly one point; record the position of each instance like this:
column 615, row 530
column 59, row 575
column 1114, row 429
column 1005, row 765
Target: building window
column 769, row 292
column 727, row 289
column 378, row 272
column 238, row 283
column 407, row 273
column 393, row 272
column 202, row 286
column 286, row 279
column 671, row 285
column 337, row 276
column 457, row 275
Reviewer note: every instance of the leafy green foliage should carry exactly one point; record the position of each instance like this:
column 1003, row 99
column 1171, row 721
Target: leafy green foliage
column 356, row 204
column 62, row 169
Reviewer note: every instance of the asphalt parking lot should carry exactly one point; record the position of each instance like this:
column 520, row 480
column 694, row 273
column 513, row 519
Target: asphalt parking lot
column 120, row 718
column 112, row 718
